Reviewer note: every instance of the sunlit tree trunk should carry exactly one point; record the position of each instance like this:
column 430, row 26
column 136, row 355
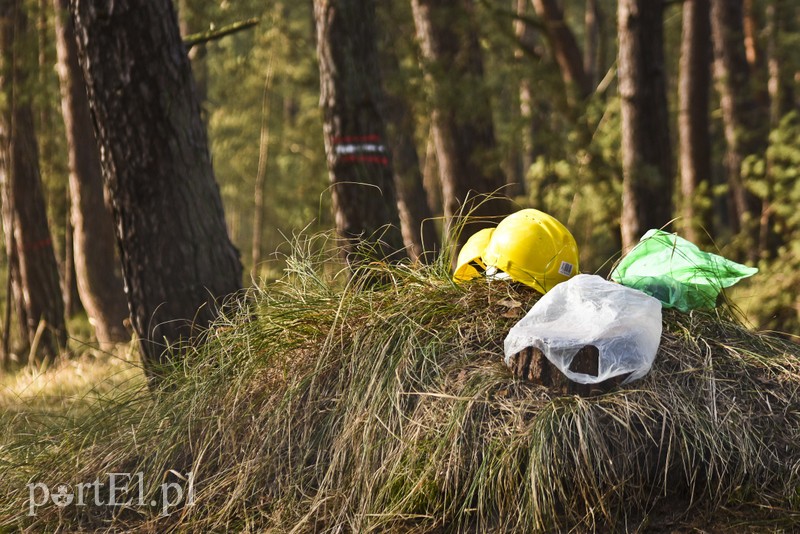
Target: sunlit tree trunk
column 646, row 158
column 526, row 37
column 364, row 198
column 96, row 266
column 693, row 119
column 178, row 261
column 38, row 271
column 465, row 141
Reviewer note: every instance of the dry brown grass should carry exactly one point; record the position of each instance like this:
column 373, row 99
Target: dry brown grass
column 349, row 410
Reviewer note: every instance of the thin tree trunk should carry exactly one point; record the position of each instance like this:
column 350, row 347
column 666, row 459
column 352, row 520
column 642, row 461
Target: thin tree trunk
column 565, row 48
column 15, row 299
column 38, row 269
column 743, row 134
column 420, row 235
column 177, row 259
column 364, row 200
column 527, row 37
column 693, row 119
column 465, row 142
column 261, row 171
column 97, row 270
column 591, row 51
column 430, row 177
column 750, row 30
column 69, row 282
column 646, row 159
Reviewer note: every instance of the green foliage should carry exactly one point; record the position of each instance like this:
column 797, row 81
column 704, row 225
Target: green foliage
column 296, row 172
column 579, row 181
column 775, row 179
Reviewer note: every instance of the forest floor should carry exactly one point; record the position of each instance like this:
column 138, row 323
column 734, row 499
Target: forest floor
column 328, row 407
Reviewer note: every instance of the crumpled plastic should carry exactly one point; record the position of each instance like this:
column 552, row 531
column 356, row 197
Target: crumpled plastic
column 623, row 323
column 677, row 273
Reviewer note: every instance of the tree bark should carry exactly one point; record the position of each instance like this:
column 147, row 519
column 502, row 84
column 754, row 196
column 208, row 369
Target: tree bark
column 465, row 142
column 177, row 258
column 38, row 269
column 693, row 119
column 364, row 199
column 740, row 114
column 646, row 159
column 565, row 48
column 96, row 266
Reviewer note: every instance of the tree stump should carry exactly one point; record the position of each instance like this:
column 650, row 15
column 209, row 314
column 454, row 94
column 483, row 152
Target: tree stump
column 531, row 364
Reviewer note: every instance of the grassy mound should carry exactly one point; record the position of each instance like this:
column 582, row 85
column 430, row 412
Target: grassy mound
column 352, row 410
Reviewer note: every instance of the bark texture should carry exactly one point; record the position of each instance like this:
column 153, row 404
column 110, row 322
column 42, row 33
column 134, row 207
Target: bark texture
column 96, row 266
column 646, row 159
column 364, row 198
column 41, row 296
column 176, row 256
column 739, row 109
column 461, row 116
column 693, row 120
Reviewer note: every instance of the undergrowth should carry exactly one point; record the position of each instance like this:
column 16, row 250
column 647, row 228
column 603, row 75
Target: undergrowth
column 331, row 408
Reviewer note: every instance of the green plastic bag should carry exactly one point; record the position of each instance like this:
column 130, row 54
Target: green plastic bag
column 676, row 272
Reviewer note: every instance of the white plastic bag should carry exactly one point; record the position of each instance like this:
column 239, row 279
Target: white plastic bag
column 623, row 323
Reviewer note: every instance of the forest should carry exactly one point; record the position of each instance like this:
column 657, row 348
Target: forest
column 229, row 236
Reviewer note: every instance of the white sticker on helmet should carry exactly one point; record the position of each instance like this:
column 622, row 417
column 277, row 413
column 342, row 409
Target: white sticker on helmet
column 566, row 268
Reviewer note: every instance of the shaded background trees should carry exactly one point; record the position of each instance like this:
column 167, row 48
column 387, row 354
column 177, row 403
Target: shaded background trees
column 479, row 94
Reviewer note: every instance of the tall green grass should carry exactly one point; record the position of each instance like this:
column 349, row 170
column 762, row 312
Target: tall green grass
column 327, row 406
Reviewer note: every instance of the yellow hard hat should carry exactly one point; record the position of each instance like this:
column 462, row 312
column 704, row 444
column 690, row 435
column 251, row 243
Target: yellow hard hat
column 534, row 248
column 528, row 246
column 470, row 256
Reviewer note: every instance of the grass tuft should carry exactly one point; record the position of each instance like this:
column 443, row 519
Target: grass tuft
column 325, row 406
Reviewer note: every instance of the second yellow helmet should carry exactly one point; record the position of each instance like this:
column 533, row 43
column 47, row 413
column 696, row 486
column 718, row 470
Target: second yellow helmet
column 529, row 246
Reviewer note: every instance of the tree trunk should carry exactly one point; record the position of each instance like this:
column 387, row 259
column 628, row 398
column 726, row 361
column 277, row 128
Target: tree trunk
column 38, row 269
column 739, row 110
column 430, row 177
column 781, row 20
column 364, row 201
column 465, row 142
column 591, row 52
column 420, row 235
column 96, row 266
column 527, row 37
column 750, row 32
column 646, row 163
column 15, row 299
column 565, row 48
column 693, row 119
column 261, row 171
column 177, row 259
